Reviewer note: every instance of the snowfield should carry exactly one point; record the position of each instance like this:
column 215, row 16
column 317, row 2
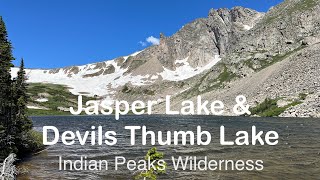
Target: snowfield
column 185, row 71
column 105, row 85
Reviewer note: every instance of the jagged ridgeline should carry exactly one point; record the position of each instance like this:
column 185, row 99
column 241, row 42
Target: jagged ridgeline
column 16, row 134
column 272, row 55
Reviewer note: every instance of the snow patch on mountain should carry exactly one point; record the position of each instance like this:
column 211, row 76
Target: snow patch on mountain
column 185, row 71
column 42, row 100
column 106, row 84
column 134, row 54
column 247, row 27
column 97, row 85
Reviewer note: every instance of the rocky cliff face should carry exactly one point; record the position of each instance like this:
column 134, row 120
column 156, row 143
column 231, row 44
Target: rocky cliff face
column 194, row 49
column 231, row 52
column 227, row 26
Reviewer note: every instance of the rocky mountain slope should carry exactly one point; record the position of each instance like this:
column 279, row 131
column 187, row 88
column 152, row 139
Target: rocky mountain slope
column 231, row 52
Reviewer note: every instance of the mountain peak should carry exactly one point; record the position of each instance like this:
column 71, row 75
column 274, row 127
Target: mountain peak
column 231, row 51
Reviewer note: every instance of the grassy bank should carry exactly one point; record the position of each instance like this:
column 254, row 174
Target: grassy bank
column 57, row 98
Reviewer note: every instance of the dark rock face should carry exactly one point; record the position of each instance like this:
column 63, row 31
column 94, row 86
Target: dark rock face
column 93, row 74
column 227, row 26
column 283, row 28
column 109, row 70
column 100, row 65
column 203, row 38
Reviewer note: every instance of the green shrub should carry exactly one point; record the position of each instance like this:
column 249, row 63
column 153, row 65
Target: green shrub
column 266, row 105
column 152, row 174
column 269, row 108
column 303, row 96
column 32, row 143
column 226, row 76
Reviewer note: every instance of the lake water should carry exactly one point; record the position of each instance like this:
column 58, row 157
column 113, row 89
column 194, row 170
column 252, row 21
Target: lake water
column 297, row 156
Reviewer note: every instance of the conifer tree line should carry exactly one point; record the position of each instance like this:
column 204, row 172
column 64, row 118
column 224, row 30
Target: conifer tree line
column 15, row 126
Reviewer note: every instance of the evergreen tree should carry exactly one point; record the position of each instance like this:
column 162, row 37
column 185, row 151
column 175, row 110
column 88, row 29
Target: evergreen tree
column 7, row 124
column 16, row 135
column 23, row 123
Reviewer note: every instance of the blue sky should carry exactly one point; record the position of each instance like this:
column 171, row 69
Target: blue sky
column 58, row 33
